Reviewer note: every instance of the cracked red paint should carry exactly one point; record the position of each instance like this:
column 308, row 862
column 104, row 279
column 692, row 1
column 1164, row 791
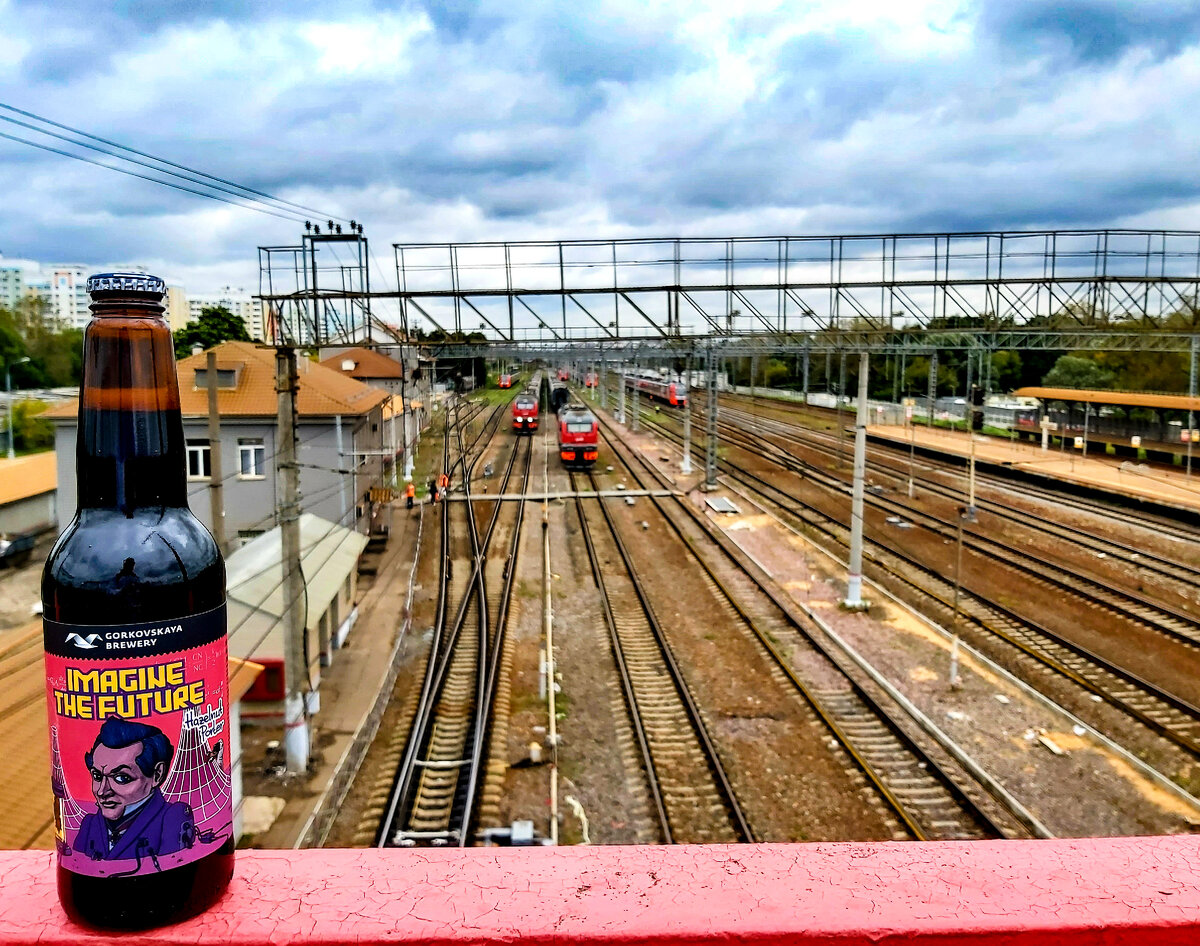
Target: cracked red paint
column 1115, row 890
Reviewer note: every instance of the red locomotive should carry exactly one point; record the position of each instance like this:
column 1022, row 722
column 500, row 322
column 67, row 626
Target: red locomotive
column 589, row 380
column 578, row 436
column 525, row 414
column 505, row 381
column 564, row 374
column 653, row 386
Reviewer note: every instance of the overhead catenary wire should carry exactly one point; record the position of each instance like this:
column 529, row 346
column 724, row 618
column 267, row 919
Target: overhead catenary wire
column 297, row 209
column 145, row 177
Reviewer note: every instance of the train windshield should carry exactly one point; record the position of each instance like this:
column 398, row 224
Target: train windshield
column 579, row 426
column 526, row 403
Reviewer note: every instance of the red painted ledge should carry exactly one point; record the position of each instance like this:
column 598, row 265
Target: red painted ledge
column 1124, row 890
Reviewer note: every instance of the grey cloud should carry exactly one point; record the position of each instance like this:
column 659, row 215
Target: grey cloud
column 1092, row 31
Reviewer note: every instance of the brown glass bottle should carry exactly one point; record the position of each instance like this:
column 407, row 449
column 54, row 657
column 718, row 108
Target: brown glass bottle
column 134, row 595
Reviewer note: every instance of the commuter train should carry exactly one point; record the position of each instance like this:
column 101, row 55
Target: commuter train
column 655, row 387
column 559, row 396
column 578, row 437
column 589, row 379
column 564, row 374
column 525, row 413
column 505, row 381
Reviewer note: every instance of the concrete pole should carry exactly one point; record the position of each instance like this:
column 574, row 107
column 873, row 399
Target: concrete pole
column 686, row 467
column 710, row 444
column 1192, row 393
column 636, row 406
column 967, row 410
column 806, row 375
column 854, row 599
column 602, row 381
column 215, row 488
column 295, row 723
column 621, row 397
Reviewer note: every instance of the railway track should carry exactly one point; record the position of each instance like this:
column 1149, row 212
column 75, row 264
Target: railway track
column 1161, row 526
column 1130, row 606
column 1144, row 560
column 917, row 787
column 435, row 786
column 1162, row 712
column 693, row 798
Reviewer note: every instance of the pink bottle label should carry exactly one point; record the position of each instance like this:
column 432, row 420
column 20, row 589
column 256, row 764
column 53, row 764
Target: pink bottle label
column 139, row 742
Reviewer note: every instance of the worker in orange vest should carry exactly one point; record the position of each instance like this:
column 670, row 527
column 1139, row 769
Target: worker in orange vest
column 443, row 485
column 410, row 491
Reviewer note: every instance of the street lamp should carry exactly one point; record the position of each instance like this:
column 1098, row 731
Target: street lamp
column 8, row 397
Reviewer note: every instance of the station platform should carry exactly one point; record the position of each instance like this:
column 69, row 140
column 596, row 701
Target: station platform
column 1148, row 484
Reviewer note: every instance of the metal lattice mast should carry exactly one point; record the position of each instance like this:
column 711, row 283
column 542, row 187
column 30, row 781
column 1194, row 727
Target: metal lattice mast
column 933, row 370
column 686, row 466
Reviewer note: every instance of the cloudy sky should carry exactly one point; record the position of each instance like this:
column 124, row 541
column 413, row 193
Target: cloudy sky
column 502, row 120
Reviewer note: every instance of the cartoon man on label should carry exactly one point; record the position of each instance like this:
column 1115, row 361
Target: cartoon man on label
column 128, row 763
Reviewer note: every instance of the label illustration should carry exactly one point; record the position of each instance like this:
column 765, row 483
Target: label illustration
column 139, row 743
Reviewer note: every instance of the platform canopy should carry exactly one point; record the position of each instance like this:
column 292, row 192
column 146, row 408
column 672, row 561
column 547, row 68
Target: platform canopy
column 1163, row 402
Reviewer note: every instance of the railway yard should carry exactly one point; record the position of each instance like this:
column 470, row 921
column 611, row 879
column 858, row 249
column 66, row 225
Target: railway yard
column 597, row 655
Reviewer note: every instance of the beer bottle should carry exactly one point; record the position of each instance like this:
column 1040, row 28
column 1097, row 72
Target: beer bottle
column 135, row 635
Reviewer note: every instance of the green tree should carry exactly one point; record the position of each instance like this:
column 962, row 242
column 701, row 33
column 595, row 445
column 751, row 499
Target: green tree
column 1006, row 370
column 215, row 325
column 32, row 432
column 1072, row 371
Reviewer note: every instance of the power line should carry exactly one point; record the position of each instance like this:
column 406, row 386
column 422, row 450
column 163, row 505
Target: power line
column 182, row 167
column 152, row 180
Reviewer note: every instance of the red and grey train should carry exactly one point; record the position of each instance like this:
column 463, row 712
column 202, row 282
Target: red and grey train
column 578, row 436
column 658, row 388
column 525, row 413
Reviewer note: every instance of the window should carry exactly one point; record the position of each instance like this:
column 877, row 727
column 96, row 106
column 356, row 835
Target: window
column 579, row 427
column 251, row 458
column 199, row 460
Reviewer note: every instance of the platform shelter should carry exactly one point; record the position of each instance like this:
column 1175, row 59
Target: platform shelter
column 1160, row 425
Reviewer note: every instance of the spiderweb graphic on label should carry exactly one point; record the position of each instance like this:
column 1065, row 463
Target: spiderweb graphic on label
column 70, row 815
column 199, row 778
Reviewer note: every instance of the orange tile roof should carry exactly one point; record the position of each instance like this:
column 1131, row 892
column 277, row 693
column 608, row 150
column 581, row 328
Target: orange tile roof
column 323, row 391
column 23, row 477
column 1173, row 402
column 367, row 364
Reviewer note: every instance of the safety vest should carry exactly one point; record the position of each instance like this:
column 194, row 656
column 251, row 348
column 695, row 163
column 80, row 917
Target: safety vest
column 410, row 491
column 443, row 481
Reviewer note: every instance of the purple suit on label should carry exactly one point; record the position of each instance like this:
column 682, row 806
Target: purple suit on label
column 158, row 827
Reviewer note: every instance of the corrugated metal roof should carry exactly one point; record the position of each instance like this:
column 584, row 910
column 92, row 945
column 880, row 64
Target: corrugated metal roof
column 1174, row 402
column 323, row 392
column 22, row 477
column 328, row 555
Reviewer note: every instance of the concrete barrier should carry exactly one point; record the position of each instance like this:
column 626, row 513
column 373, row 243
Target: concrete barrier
column 1064, row 892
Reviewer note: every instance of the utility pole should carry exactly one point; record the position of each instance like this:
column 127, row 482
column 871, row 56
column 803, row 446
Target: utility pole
column 686, row 467
column 854, row 599
column 710, row 443
column 636, row 408
column 1192, row 394
column 806, row 372
column 216, row 470
column 621, row 395
column 295, row 722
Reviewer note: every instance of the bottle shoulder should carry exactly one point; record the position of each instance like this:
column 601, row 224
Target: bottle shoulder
column 153, row 563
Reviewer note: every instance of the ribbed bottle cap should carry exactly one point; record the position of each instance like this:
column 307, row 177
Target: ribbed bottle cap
column 130, row 285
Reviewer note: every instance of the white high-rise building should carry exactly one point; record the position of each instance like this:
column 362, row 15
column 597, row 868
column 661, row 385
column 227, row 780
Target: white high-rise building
column 68, row 294
column 12, row 285
column 237, row 301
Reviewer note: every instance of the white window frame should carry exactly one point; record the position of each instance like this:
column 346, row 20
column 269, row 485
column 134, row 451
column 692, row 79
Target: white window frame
column 201, row 450
column 249, row 446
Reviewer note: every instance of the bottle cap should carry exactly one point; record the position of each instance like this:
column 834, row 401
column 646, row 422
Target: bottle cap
column 137, row 286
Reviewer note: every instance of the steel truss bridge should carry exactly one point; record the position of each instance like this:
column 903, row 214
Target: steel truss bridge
column 903, row 292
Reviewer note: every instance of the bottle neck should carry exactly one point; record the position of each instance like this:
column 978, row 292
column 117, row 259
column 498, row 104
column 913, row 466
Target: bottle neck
column 131, row 447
